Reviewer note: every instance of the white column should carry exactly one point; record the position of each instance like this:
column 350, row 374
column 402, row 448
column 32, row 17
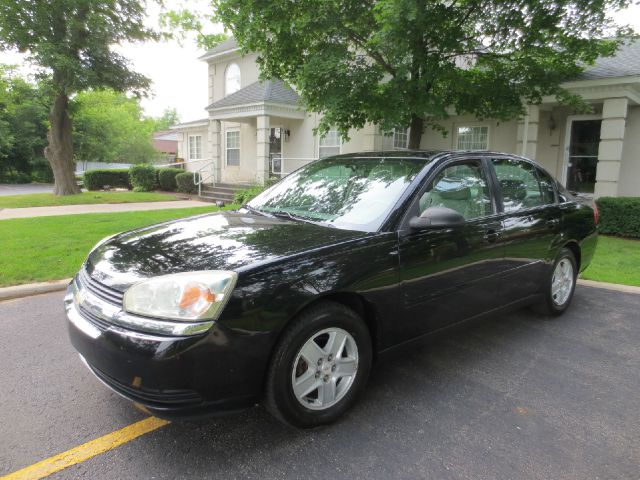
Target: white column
column 614, row 117
column 262, row 134
column 369, row 136
column 215, row 144
column 527, row 140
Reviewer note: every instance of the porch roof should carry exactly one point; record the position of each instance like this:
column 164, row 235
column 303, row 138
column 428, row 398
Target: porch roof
column 270, row 97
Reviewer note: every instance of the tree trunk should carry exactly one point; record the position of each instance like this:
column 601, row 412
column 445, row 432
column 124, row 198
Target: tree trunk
column 59, row 152
column 415, row 132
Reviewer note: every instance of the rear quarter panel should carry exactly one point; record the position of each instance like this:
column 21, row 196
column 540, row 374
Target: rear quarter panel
column 580, row 227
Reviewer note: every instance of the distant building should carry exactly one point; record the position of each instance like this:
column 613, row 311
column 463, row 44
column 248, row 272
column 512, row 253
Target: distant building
column 166, row 142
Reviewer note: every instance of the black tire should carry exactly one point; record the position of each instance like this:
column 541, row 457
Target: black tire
column 549, row 306
column 280, row 399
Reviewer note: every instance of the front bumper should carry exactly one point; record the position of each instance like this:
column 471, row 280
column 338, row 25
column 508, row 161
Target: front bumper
column 170, row 376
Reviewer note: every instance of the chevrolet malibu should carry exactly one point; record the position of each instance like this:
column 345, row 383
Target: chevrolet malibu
column 291, row 299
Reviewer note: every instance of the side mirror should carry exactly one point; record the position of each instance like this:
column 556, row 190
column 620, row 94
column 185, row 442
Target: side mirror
column 437, row 217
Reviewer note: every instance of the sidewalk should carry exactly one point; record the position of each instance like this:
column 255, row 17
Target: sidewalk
column 31, row 212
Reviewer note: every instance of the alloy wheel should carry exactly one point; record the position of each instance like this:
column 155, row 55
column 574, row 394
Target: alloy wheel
column 325, row 368
column 562, row 282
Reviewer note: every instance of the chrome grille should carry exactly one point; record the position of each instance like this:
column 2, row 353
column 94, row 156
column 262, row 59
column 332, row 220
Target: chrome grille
column 100, row 290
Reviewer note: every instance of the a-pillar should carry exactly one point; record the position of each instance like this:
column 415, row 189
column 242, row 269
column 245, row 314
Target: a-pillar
column 527, row 140
column 614, row 117
column 215, row 143
column 262, row 131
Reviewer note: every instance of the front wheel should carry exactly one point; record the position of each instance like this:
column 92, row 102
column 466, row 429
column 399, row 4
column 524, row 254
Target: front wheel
column 319, row 367
column 560, row 285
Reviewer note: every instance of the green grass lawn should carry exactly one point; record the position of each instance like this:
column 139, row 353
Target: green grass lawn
column 617, row 260
column 49, row 200
column 51, row 248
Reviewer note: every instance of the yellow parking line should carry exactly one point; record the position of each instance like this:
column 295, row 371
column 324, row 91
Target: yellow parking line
column 87, row 450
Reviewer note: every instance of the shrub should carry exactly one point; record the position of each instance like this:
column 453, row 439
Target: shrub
column 167, row 178
column 115, row 178
column 243, row 196
column 143, row 178
column 185, row 184
column 619, row 216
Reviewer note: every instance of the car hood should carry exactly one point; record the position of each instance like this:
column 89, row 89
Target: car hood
column 220, row 241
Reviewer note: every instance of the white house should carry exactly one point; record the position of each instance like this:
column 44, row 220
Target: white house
column 256, row 129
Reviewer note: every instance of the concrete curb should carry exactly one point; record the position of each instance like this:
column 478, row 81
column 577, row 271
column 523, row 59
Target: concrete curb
column 609, row 286
column 20, row 291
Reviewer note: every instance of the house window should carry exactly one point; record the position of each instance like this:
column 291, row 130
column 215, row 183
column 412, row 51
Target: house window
column 195, row 147
column 233, row 147
column 329, row 144
column 400, row 139
column 232, row 79
column 473, row 138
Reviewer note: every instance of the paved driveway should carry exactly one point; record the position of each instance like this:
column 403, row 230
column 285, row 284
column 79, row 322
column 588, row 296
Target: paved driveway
column 24, row 189
column 512, row 397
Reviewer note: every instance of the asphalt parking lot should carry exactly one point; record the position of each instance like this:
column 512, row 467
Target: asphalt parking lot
column 512, row 397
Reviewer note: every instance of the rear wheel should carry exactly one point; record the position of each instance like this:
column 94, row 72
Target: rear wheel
column 319, row 366
column 560, row 285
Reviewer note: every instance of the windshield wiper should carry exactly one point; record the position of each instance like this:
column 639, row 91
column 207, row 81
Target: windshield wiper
column 297, row 218
column 255, row 210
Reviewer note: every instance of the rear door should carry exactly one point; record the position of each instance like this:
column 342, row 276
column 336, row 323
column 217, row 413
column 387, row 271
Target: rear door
column 451, row 274
column 532, row 224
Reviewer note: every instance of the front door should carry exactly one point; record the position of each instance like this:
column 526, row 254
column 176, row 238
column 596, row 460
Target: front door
column 584, row 142
column 275, row 150
column 451, row 274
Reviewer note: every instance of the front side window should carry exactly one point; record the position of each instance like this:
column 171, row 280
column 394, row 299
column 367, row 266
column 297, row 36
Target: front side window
column 462, row 187
column 522, row 184
column 233, row 147
column 473, row 138
column 232, row 79
column 195, row 147
column 400, row 139
column 329, row 144
column 349, row 193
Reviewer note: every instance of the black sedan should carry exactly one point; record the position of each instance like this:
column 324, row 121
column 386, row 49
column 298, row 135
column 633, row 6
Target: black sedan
column 291, row 299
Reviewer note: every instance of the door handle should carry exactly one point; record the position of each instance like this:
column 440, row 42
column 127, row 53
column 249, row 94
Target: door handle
column 491, row 236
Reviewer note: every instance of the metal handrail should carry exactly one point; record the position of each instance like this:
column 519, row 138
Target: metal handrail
column 198, row 179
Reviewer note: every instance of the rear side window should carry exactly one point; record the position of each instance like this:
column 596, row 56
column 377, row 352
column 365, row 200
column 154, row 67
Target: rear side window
column 522, row 185
column 547, row 189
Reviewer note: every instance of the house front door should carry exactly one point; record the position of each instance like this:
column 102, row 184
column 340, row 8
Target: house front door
column 275, row 150
column 584, row 142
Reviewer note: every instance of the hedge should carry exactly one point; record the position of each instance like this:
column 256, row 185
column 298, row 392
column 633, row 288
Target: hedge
column 167, row 178
column 619, row 216
column 115, row 178
column 185, row 182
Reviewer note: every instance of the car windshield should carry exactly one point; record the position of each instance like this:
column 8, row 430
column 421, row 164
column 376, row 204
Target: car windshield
column 344, row 192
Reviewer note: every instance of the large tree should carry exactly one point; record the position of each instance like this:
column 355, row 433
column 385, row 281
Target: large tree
column 72, row 41
column 410, row 63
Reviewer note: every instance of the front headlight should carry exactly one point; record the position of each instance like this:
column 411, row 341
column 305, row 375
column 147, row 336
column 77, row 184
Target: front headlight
column 183, row 296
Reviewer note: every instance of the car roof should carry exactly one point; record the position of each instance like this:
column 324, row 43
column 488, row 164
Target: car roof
column 426, row 156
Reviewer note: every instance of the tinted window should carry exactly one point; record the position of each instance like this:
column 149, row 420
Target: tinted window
column 520, row 184
column 461, row 187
